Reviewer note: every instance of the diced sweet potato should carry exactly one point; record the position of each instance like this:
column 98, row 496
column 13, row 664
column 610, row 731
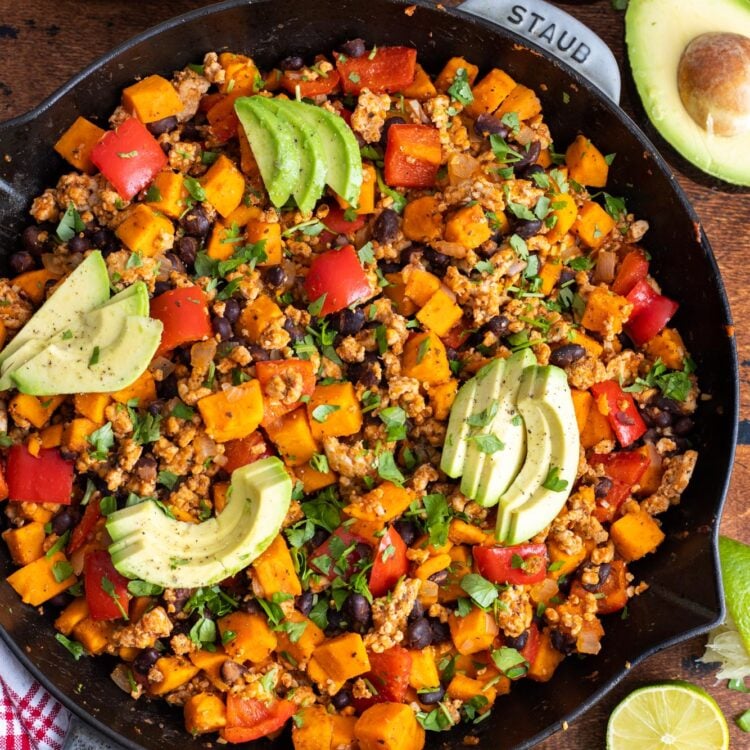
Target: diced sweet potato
column 343, row 732
column 224, row 185
column 468, row 227
column 668, row 347
column 422, row 87
column 591, row 345
column 586, row 164
column 274, row 570
column 51, row 437
column 204, row 713
column 75, row 612
column 25, row 543
column 474, row 632
column 312, row 729
column 596, row 429
column 389, row 726
column 420, row 284
column 635, row 535
column 223, row 242
column 270, row 234
column 146, row 232
column 152, row 98
column 432, row 565
column 253, row 640
column 521, row 100
column 234, row 413
column 448, row 74
column 176, row 670
column 425, row 359
column 383, row 503
column 76, row 143
column 304, row 645
column 366, row 202
column 36, row 582
column 564, row 211
column 142, row 390
column 293, row 438
column 423, row 222
column 76, row 434
column 210, row 663
column 546, row 660
column 343, row 657
column 424, row 672
column 34, row 410
column 442, row 397
column 490, row 92
column 440, row 313
column 92, row 405
column 167, row 194
column 593, row 224
column 334, row 411
column 582, row 401
column 35, row 283
column 550, row 274
column 605, row 311
column 563, row 562
column 396, row 292
column 465, row 688
column 312, row 479
column 257, row 316
column 651, row 479
column 93, row 635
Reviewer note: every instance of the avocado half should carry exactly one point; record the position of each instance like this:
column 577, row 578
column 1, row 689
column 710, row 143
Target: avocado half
column 657, row 32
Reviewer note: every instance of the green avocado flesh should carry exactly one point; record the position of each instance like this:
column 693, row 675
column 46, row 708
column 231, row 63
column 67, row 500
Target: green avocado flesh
column 657, row 34
column 150, row 546
column 300, row 148
column 512, row 430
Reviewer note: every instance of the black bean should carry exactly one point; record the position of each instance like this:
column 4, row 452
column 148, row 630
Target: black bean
column 527, row 157
column 145, row 660
column 304, row 602
column 160, row 287
column 21, row 262
column 363, row 372
column 105, row 240
column 451, row 353
column 385, row 228
column 407, row 530
column 187, row 250
column 296, row 332
column 498, row 325
column 336, row 622
column 419, row 633
column 145, row 468
column 604, row 571
column 258, row 353
column 667, row 404
column 348, row 322
column 659, row 418
column 566, row 275
column 389, row 123
column 196, row 222
column 651, row 436
column 232, row 310
column 486, row 125
column 410, row 254
column 602, row 575
column 167, row 388
column 526, row 228
column 362, row 551
column 231, row 671
column 159, row 127
column 683, row 426
column 357, row 611
column 438, row 261
column 386, row 266
column 32, row 242
column 166, row 147
column 190, row 132
column 60, row 600
column 275, row 276
column 319, row 537
column 342, row 699
column 417, row 610
column 518, row 642
column 566, row 355
column 222, row 327
column 64, row 521
column 440, row 577
column 251, row 606
column 177, row 264
column 435, row 696
column 562, row 642
column 293, row 62
column 78, row 244
column 440, row 631
column 529, row 172
column 354, row 48
column 602, row 487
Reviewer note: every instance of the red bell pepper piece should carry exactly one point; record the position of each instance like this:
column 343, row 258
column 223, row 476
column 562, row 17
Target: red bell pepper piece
column 641, row 296
column 622, row 413
column 338, row 554
column 337, row 222
column 389, row 564
column 339, row 275
column 519, row 564
column 389, row 675
column 250, row 719
column 184, row 313
column 624, row 469
column 129, row 157
column 384, row 70
column 634, row 268
column 85, row 526
column 106, row 590
column 46, row 478
column 455, row 338
column 292, row 79
column 644, row 326
column 412, row 156
column 283, row 368
column 531, row 649
column 245, row 451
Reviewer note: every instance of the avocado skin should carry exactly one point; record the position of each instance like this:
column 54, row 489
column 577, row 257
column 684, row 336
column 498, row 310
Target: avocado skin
column 655, row 43
column 152, row 547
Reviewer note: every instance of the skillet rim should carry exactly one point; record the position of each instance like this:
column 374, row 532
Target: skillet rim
column 660, row 163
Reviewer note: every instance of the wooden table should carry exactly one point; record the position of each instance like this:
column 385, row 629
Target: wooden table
column 44, row 42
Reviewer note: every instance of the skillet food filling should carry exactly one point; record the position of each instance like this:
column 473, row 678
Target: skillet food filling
column 335, row 396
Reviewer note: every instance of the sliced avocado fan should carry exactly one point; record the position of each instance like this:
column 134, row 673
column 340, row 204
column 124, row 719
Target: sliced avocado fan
column 300, row 148
column 150, row 546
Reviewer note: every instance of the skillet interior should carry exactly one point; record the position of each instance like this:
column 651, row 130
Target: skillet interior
column 683, row 598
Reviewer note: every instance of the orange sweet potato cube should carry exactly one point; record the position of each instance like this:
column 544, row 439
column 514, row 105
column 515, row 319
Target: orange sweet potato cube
column 77, row 142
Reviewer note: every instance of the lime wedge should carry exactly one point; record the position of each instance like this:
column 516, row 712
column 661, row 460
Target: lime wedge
column 668, row 716
column 735, row 572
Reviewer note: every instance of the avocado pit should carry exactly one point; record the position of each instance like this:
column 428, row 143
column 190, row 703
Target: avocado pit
column 714, row 82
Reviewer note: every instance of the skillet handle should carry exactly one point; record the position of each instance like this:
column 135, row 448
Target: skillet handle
column 84, row 737
column 558, row 33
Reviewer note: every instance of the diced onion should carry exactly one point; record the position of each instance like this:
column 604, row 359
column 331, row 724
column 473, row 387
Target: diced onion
column 604, row 272
column 461, row 167
column 202, row 354
column 544, row 590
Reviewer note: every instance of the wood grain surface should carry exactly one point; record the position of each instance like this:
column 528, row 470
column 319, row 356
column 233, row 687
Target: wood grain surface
column 44, row 42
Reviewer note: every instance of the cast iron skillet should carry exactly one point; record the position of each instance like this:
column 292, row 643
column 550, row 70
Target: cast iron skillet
column 684, row 597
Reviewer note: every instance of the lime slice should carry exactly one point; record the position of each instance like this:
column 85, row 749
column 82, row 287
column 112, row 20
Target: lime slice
column 668, row 716
column 735, row 571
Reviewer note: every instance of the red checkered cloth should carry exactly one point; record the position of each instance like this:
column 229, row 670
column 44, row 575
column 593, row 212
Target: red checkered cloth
column 30, row 718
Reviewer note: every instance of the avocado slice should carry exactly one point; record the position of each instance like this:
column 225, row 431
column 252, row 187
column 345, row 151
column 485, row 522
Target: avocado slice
column 499, row 469
column 274, row 146
column 340, row 150
column 312, row 174
column 84, row 289
column 454, row 448
column 489, row 384
column 149, row 546
column 657, row 34
column 108, row 351
column 546, row 393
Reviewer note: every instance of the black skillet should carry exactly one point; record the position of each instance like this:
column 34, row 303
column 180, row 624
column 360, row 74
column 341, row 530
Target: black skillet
column 684, row 598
